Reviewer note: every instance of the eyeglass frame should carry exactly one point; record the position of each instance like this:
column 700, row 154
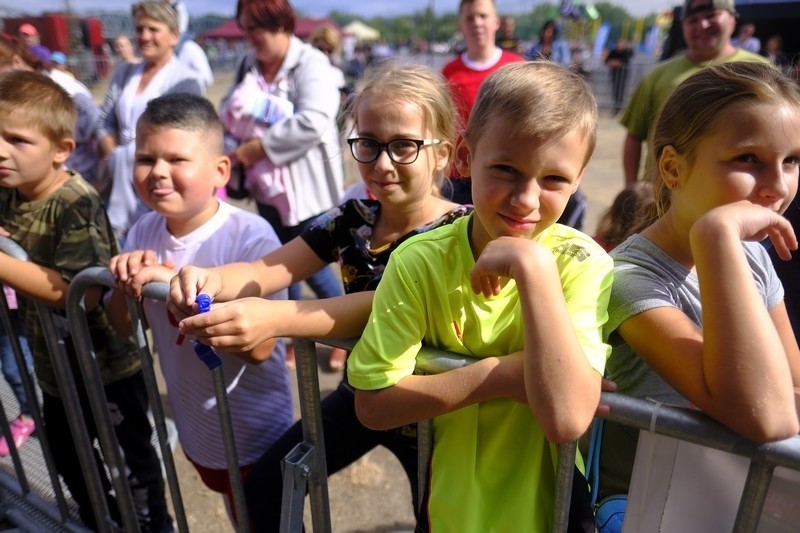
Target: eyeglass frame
column 384, row 147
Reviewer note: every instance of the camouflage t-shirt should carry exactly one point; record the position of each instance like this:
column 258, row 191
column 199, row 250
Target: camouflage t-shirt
column 68, row 232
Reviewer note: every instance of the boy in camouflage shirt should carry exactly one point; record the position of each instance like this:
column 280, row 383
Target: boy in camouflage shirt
column 59, row 220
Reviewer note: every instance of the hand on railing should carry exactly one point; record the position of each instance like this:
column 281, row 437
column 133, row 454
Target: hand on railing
column 186, row 285
column 605, row 386
column 237, row 326
column 133, row 270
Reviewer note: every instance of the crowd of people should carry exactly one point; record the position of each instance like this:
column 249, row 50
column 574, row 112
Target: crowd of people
column 464, row 235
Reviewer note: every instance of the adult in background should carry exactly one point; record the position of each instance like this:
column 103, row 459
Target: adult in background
column 130, row 88
column 28, row 35
column 193, row 56
column 302, row 144
column 617, row 62
column 707, row 26
column 123, row 48
column 746, row 38
column 550, row 46
column 773, row 50
column 327, row 40
column 478, row 22
column 507, row 36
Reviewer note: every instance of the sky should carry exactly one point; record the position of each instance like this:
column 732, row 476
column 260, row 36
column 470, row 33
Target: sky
column 320, row 8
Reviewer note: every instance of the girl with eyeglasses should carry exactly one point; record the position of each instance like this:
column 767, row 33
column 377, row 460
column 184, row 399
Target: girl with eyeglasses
column 404, row 131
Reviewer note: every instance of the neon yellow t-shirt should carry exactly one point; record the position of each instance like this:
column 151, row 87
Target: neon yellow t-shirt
column 492, row 469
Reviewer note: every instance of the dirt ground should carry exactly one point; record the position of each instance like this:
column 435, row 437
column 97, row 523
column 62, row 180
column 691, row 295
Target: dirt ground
column 373, row 494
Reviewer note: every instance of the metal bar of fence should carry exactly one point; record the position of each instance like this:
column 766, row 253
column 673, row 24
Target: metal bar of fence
column 311, row 413
column 680, row 423
column 430, row 361
column 23, row 370
column 159, row 291
column 75, row 419
column 84, row 349
column 696, row 427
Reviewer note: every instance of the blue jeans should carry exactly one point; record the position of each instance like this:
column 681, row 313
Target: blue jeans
column 9, row 362
column 324, row 283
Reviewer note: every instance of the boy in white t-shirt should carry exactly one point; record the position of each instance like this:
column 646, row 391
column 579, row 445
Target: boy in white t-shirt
column 179, row 165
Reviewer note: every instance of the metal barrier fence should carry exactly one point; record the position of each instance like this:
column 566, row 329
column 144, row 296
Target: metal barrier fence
column 305, row 468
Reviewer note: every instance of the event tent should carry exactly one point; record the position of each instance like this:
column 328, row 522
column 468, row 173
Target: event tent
column 361, row 31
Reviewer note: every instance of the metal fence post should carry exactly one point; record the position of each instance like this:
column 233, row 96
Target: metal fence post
column 75, row 419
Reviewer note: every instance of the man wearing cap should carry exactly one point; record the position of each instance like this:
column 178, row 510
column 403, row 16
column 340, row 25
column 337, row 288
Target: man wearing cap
column 707, row 27
column 28, row 35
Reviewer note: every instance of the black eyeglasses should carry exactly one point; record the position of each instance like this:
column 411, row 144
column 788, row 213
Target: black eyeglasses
column 401, row 151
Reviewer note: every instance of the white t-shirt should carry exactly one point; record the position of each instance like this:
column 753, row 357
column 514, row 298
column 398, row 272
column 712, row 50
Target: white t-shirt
column 259, row 396
column 193, row 56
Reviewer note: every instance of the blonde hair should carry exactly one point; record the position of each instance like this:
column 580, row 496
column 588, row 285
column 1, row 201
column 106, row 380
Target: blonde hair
column 693, row 109
column 539, row 99
column 158, row 11
column 41, row 102
column 327, row 35
column 418, row 85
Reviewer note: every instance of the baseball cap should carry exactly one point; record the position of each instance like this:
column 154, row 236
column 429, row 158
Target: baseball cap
column 690, row 7
column 42, row 52
column 28, row 29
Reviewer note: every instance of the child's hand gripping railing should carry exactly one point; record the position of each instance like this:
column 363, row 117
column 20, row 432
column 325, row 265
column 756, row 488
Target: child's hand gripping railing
column 54, row 328
column 696, row 427
column 212, row 360
column 76, row 313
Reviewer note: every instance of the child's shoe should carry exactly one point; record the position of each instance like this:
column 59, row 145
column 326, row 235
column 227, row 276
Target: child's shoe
column 21, row 428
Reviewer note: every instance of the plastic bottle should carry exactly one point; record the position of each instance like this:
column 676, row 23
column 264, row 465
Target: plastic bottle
column 205, row 353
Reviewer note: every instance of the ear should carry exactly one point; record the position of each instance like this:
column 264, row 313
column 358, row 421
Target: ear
column 63, row 149
column 443, row 152
column 670, row 167
column 173, row 40
column 463, row 156
column 222, row 171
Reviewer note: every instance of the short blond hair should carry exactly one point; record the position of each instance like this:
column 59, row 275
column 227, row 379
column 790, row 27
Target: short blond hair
column 158, row 11
column 540, row 99
column 327, row 35
column 41, row 103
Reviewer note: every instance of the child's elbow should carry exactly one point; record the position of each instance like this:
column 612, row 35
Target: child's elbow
column 368, row 410
column 565, row 431
column 772, row 429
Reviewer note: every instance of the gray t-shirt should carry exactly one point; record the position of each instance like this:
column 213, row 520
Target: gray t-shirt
column 645, row 277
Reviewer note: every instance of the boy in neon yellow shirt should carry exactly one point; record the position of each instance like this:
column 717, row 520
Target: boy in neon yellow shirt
column 506, row 280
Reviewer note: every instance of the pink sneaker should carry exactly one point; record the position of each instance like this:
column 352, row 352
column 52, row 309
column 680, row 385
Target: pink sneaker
column 21, row 429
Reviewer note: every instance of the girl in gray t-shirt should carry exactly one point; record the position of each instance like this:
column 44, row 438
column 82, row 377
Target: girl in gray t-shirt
column 696, row 316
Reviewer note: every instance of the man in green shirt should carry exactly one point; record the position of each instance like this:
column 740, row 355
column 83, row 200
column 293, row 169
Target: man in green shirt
column 707, row 27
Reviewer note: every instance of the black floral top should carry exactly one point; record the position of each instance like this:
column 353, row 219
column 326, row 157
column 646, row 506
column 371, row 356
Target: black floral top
column 343, row 235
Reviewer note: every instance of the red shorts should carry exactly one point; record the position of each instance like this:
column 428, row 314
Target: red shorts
column 219, row 481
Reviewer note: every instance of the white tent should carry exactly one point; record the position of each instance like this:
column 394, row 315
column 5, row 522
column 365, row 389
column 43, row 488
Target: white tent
column 361, row 31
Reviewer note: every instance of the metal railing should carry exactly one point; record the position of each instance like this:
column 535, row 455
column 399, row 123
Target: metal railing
column 305, row 467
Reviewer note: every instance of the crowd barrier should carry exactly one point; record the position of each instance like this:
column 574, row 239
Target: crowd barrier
column 305, row 468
